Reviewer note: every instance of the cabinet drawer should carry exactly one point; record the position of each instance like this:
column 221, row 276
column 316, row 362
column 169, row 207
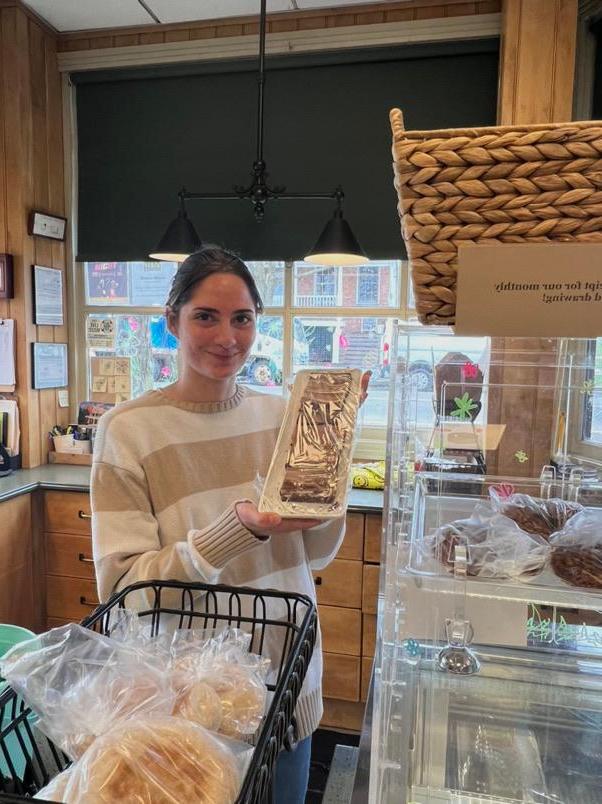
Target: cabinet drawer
column 70, row 598
column 340, row 584
column 370, row 588
column 69, row 555
column 341, row 677
column 353, row 543
column 372, row 538
column 341, row 630
column 342, row 715
column 368, row 634
column 67, row 512
column 366, row 675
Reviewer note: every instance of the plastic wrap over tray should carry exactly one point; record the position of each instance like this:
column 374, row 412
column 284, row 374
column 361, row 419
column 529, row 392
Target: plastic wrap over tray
column 309, row 472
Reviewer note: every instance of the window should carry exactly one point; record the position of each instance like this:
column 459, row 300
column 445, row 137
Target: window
column 368, row 285
column 591, row 420
column 315, row 316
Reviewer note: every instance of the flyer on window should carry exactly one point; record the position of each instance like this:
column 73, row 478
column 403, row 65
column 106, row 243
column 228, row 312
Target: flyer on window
column 100, row 333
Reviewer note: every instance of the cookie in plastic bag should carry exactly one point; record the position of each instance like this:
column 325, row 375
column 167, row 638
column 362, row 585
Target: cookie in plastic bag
column 577, row 550
column 534, row 515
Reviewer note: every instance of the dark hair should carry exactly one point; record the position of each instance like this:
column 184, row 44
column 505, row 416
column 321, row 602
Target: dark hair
column 203, row 263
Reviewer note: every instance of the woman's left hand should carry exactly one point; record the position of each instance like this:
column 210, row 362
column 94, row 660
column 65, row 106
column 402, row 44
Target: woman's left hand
column 364, row 386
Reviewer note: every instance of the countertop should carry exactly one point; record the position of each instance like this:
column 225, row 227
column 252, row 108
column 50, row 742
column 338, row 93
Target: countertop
column 77, row 478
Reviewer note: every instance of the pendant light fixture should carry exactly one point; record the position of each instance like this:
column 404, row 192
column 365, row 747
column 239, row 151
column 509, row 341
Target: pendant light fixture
column 337, row 245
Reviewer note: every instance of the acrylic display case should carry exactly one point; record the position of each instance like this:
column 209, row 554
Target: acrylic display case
column 488, row 679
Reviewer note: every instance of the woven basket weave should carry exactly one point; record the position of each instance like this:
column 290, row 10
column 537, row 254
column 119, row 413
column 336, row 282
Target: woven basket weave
column 510, row 184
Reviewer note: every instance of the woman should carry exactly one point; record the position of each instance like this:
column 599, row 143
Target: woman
column 174, row 475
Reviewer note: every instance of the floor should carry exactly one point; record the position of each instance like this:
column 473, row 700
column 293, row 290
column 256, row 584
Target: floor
column 322, row 750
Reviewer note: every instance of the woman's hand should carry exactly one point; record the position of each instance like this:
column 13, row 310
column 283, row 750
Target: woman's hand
column 269, row 524
column 364, row 386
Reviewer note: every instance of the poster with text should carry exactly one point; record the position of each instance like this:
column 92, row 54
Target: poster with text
column 107, row 283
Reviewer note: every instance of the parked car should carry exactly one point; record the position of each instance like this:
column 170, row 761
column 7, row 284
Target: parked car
column 264, row 365
column 427, row 351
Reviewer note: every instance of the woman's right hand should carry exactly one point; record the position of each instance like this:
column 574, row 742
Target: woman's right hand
column 269, row 524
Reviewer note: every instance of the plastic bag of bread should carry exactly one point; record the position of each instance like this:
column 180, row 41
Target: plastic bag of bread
column 532, row 514
column 81, row 684
column 55, row 789
column 577, row 550
column 496, row 546
column 218, row 683
column 158, row 760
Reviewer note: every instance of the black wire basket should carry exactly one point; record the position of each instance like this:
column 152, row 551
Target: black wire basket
column 287, row 621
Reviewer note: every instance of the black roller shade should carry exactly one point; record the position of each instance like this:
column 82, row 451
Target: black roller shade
column 144, row 134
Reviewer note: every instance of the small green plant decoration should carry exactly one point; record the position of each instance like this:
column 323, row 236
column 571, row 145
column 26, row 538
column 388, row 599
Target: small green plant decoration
column 464, row 407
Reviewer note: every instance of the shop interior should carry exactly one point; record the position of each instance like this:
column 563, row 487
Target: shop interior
column 131, row 131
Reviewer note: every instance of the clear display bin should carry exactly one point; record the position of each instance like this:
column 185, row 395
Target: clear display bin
column 523, row 729
column 488, row 674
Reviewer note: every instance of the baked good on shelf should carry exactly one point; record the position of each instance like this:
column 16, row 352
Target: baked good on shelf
column 534, row 515
column 161, row 760
column 579, row 565
column 495, row 546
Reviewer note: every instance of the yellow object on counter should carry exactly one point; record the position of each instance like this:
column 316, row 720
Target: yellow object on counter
column 368, row 476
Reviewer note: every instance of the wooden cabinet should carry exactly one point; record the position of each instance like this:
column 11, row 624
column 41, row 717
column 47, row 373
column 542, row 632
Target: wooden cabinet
column 347, row 590
column 70, row 581
column 340, row 584
column 18, row 602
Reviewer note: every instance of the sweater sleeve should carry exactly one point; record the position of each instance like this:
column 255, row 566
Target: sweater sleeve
column 126, row 540
column 322, row 543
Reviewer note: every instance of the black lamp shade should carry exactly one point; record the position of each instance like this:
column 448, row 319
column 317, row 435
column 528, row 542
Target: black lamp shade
column 337, row 245
column 179, row 241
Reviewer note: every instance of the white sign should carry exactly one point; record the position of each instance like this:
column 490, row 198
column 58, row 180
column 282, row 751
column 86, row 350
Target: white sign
column 538, row 290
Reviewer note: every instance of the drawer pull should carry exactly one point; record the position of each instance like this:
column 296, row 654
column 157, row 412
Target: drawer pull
column 318, row 580
column 81, row 557
column 83, row 515
column 85, row 602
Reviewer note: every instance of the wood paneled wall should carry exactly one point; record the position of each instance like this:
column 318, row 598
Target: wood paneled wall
column 537, row 67
column 371, row 14
column 537, row 64
column 31, row 177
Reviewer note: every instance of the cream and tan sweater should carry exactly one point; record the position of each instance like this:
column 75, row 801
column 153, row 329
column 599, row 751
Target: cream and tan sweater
column 165, row 479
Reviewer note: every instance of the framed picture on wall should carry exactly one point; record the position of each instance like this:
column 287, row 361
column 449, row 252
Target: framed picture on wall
column 47, row 296
column 43, row 225
column 6, row 276
column 49, row 361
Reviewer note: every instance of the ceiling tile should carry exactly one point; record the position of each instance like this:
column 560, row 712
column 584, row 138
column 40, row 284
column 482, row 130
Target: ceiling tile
column 79, row 15
column 192, row 10
column 306, row 5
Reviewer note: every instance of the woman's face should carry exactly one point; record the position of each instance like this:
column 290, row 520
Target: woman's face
column 216, row 327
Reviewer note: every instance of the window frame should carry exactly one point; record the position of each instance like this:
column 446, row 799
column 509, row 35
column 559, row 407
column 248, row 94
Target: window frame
column 372, row 438
column 577, row 445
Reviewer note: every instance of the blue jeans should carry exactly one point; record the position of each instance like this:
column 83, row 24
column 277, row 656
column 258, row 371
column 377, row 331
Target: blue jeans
column 291, row 774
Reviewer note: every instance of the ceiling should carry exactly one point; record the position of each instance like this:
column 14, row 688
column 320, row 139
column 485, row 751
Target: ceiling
column 79, row 15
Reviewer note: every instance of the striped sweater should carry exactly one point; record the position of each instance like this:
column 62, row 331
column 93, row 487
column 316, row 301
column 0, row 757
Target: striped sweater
column 165, row 478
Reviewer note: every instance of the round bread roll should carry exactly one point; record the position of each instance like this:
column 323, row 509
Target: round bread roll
column 199, row 702
column 155, row 760
column 242, row 695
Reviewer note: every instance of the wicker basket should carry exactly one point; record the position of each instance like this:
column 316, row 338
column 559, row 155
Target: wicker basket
column 510, row 184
